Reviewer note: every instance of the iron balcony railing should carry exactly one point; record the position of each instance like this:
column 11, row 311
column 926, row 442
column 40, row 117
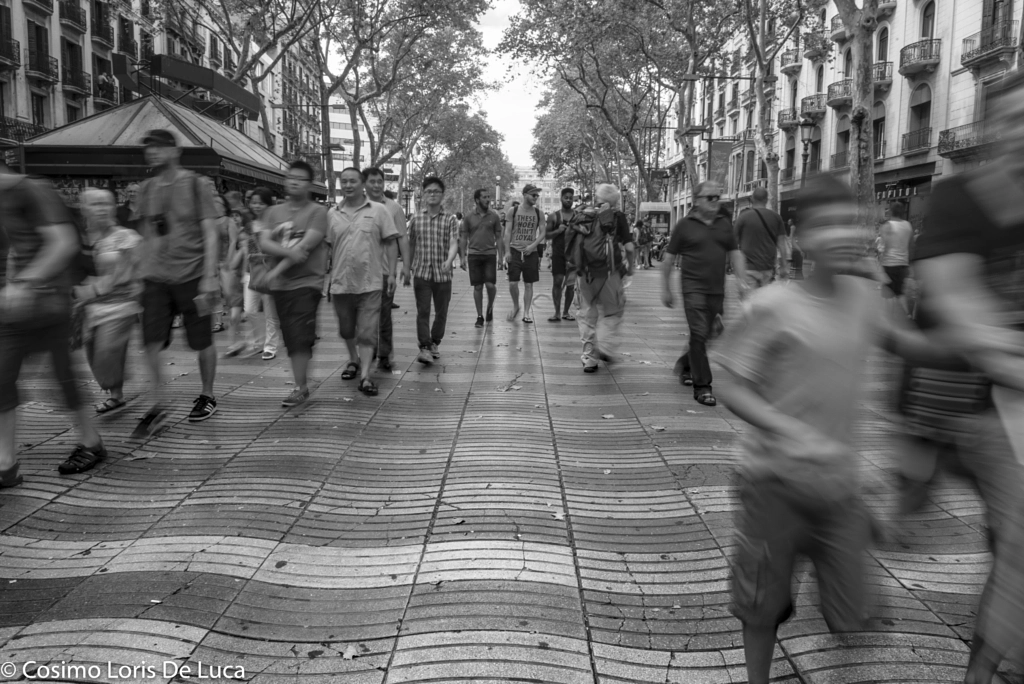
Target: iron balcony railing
column 964, row 138
column 881, row 72
column 838, row 27
column 790, row 58
column 813, row 104
column 999, row 36
column 76, row 79
column 14, row 129
column 10, row 52
column 45, row 5
column 126, row 44
column 72, row 14
column 734, row 104
column 787, row 175
column 921, row 52
column 841, row 90
column 42, row 66
column 104, row 89
column 755, row 183
column 813, row 166
column 102, row 31
column 720, row 113
column 921, row 139
column 840, row 160
column 788, row 118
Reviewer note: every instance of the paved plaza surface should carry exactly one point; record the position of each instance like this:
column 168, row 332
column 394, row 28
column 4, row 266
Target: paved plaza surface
column 499, row 516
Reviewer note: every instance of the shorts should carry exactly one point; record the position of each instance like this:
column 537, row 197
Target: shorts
column 161, row 302
column 774, row 524
column 897, row 276
column 559, row 264
column 483, row 268
column 358, row 316
column 296, row 314
column 527, row 266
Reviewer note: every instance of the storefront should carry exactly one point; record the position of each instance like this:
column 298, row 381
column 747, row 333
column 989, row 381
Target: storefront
column 104, row 150
column 911, row 185
column 657, row 216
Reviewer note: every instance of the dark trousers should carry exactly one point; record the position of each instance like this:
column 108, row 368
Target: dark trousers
column 700, row 310
column 18, row 342
column 385, row 344
column 440, row 293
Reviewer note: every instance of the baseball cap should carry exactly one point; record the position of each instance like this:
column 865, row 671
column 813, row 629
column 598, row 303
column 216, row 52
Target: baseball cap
column 530, row 189
column 160, row 137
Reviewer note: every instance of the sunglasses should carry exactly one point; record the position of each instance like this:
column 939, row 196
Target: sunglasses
column 711, row 198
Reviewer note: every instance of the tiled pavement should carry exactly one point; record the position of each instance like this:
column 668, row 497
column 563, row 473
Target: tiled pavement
column 498, row 517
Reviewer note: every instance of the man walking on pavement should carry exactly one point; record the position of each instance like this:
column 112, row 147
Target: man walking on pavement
column 761, row 236
column 564, row 275
column 363, row 237
column 704, row 239
column 896, row 234
column 180, row 246
column 480, row 250
column 433, row 246
column 375, row 191
column 523, row 236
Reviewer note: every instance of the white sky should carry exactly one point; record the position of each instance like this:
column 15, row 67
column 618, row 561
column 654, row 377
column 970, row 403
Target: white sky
column 512, row 109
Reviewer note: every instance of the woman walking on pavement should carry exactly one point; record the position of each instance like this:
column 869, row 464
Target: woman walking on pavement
column 259, row 201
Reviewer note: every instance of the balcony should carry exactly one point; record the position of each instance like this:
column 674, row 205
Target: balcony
column 127, row 45
column 840, row 93
column 989, row 46
column 813, row 106
column 733, row 106
column 17, row 130
column 920, row 56
column 73, row 16
column 886, row 7
column 917, row 141
column 815, row 45
column 104, row 91
column 787, row 175
column 749, row 186
column 41, row 67
column 41, row 5
column 789, row 118
column 879, row 150
column 76, row 81
column 747, row 97
column 970, row 141
column 881, row 75
column 102, row 32
column 813, row 166
column 838, row 33
column 790, row 62
column 720, row 114
column 840, row 160
column 10, row 54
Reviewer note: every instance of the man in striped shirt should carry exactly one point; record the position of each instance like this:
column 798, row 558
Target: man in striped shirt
column 433, row 245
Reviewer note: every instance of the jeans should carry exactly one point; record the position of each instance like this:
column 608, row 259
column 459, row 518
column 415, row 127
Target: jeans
column 441, row 294
column 253, row 301
column 385, row 343
column 700, row 310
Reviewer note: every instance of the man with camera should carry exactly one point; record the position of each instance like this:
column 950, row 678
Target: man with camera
column 180, row 249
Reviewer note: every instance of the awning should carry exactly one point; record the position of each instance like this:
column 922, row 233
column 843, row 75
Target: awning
column 653, row 207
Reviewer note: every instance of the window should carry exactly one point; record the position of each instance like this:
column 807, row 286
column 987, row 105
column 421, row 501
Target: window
column 883, row 45
column 878, row 129
column 848, row 64
column 336, row 125
column 38, row 109
column 921, row 108
column 814, row 164
column 928, row 21
column 38, row 42
column 843, row 134
column 790, row 151
column 72, row 114
column 750, row 166
column 819, row 80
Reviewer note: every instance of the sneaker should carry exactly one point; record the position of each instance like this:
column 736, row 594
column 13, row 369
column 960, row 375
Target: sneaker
column 268, row 355
column 425, row 357
column 479, row 322
column 490, row 316
column 202, row 408
column 298, row 396
column 83, row 458
column 434, row 352
column 153, row 422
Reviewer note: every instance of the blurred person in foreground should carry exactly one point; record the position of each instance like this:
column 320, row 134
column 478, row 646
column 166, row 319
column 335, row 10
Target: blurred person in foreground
column 796, row 364
column 111, row 297
column 38, row 246
column 970, row 259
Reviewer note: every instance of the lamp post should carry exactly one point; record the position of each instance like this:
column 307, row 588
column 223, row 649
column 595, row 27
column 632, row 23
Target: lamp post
column 406, row 196
column 806, row 133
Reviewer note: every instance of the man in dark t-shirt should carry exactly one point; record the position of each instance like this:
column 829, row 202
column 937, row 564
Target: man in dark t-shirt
column 761, row 236
column 703, row 240
column 970, row 259
column 564, row 277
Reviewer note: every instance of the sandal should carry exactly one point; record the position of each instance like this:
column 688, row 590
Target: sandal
column 568, row 317
column 351, row 371
column 706, row 399
column 111, row 404
column 83, row 458
column 527, row 319
column 555, row 319
column 367, row 387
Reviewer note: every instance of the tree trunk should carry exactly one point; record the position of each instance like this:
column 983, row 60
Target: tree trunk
column 861, row 153
column 357, row 143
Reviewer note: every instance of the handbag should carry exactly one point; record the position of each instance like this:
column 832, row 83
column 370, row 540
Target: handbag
column 259, row 273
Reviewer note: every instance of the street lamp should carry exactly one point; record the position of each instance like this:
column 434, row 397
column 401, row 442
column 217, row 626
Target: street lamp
column 406, row 196
column 806, row 133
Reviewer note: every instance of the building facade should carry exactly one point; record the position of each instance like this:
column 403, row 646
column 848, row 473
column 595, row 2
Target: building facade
column 549, row 188
column 342, row 146
column 933, row 64
column 57, row 66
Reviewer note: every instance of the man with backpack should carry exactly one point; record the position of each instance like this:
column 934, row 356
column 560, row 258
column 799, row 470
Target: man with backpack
column 761, row 235
column 180, row 246
column 602, row 254
column 557, row 230
column 523, row 236
column 43, row 250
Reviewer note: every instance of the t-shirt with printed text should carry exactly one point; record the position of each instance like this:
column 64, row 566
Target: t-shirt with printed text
column 526, row 225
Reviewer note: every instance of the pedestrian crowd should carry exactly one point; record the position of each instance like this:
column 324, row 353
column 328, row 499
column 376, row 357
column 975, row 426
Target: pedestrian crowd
column 794, row 356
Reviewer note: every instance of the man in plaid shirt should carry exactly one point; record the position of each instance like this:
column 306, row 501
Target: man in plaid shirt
column 433, row 244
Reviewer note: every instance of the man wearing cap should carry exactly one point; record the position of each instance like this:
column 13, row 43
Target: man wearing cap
column 523, row 235
column 177, row 220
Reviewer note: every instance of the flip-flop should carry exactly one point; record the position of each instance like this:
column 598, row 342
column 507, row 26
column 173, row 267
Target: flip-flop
column 706, row 399
column 109, row 405
column 527, row 319
column 568, row 317
column 367, row 387
column 351, row 371
column 555, row 319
